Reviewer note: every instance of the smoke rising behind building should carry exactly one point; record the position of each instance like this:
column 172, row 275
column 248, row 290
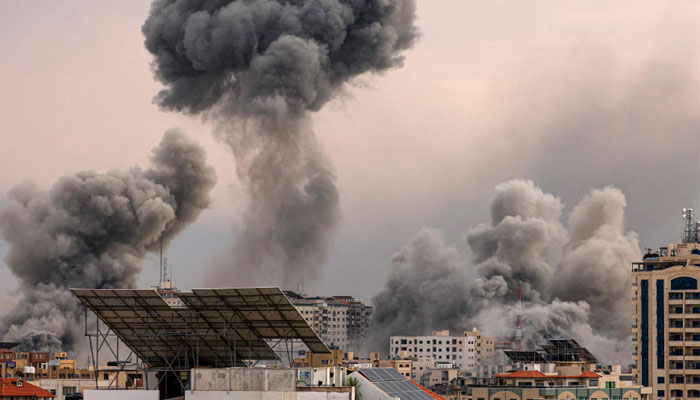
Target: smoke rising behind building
column 92, row 230
column 258, row 68
column 576, row 280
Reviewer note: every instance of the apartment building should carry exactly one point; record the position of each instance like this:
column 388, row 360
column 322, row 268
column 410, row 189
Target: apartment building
column 465, row 352
column 328, row 318
column 666, row 327
column 359, row 316
column 341, row 322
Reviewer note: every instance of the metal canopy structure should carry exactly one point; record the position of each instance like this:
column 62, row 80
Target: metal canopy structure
column 216, row 327
column 564, row 350
column 8, row 345
column 263, row 313
column 558, row 350
column 525, row 356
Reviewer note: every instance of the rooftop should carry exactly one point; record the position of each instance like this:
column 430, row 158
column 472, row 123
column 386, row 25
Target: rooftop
column 538, row 374
column 14, row 388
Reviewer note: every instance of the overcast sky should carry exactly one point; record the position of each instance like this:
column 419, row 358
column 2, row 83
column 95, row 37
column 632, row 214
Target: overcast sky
column 572, row 95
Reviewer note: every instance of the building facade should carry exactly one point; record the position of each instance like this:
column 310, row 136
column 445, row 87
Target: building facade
column 319, row 360
column 466, row 352
column 341, row 322
column 666, row 327
column 359, row 316
column 561, row 370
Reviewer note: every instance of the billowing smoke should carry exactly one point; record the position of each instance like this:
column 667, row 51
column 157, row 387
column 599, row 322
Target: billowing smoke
column 91, row 230
column 259, row 67
column 576, row 283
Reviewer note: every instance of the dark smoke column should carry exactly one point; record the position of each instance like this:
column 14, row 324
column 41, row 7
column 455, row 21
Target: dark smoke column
column 258, row 67
column 91, row 230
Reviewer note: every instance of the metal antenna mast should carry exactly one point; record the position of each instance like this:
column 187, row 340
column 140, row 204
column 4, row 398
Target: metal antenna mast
column 690, row 231
column 518, row 323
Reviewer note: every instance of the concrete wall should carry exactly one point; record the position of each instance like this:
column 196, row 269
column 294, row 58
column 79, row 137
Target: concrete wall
column 244, row 379
column 257, row 395
column 121, row 394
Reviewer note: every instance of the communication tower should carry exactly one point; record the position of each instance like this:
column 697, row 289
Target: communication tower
column 690, row 228
column 518, row 323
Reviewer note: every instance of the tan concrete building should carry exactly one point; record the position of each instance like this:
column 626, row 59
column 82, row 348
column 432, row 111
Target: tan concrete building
column 666, row 327
column 421, row 366
column 560, row 380
column 533, row 384
column 320, row 360
column 403, row 366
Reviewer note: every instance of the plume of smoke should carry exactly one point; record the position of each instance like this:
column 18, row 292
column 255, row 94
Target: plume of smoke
column 595, row 266
column 574, row 282
column 424, row 288
column 522, row 243
column 92, row 230
column 259, row 67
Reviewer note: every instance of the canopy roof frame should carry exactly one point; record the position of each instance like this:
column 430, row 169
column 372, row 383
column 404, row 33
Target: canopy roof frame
column 201, row 332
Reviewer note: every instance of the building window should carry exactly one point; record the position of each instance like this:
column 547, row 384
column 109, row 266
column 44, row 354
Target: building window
column 660, row 323
column 644, row 298
column 684, row 283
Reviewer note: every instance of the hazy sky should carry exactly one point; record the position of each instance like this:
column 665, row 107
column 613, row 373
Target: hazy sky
column 570, row 94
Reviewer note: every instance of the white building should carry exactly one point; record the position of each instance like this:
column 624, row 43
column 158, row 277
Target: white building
column 466, row 352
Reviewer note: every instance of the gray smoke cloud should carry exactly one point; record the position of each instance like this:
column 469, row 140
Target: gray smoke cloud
column 576, row 282
column 595, row 267
column 258, row 68
column 91, row 230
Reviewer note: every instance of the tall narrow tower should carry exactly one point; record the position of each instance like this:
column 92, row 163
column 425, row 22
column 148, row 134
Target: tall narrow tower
column 518, row 323
column 666, row 316
column 690, row 230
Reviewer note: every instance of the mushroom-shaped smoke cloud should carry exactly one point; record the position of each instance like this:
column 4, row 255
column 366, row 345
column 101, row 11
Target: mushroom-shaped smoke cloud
column 258, row 67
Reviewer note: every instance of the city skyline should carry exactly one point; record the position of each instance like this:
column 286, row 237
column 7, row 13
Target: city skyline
column 491, row 62
column 540, row 155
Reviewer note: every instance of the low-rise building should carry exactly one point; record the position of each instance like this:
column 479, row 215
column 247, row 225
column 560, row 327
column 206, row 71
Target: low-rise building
column 404, row 367
column 560, row 370
column 320, row 360
column 421, row 366
column 270, row 383
column 439, row 376
column 466, row 352
column 533, row 384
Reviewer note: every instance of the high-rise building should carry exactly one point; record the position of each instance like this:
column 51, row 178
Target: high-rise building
column 666, row 327
column 340, row 321
column 359, row 316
